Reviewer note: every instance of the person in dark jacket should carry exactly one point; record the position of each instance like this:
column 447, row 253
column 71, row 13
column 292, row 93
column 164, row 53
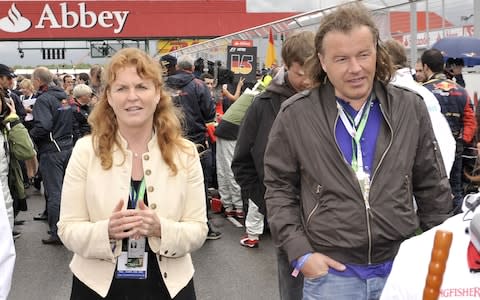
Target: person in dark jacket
column 7, row 83
column 52, row 133
column 344, row 161
column 248, row 158
column 82, row 95
column 194, row 98
column 457, row 109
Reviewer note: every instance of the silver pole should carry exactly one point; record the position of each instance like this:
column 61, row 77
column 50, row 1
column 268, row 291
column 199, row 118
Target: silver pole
column 443, row 18
column 413, row 34
column 427, row 25
column 476, row 18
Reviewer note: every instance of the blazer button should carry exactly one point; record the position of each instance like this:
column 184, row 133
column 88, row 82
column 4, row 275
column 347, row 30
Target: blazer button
column 153, row 206
column 148, row 172
column 150, row 189
column 166, row 251
column 165, row 275
column 146, row 157
column 173, row 254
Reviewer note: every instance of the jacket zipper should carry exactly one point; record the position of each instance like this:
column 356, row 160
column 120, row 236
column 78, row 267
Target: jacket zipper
column 365, row 201
column 317, row 192
column 407, row 184
column 439, row 165
column 371, row 183
column 368, row 211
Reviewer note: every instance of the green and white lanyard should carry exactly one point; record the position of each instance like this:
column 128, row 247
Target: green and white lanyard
column 355, row 128
column 136, row 195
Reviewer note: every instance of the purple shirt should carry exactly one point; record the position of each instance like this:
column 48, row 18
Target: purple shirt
column 368, row 142
column 369, row 136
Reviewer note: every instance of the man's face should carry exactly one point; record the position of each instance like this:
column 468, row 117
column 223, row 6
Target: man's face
column 297, row 77
column 419, row 74
column 349, row 59
column 68, row 83
column 209, row 83
column 36, row 83
column 85, row 99
column 12, row 83
column 4, row 82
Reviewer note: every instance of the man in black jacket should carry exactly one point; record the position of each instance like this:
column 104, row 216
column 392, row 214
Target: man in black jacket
column 247, row 164
column 344, row 161
column 82, row 95
column 193, row 96
column 52, row 133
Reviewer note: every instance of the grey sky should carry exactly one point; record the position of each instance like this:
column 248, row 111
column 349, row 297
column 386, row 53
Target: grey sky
column 9, row 55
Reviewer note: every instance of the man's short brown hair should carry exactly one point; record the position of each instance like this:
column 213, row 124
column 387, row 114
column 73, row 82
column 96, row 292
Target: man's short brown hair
column 298, row 47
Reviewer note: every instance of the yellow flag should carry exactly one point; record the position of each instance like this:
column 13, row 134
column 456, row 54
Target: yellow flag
column 271, row 57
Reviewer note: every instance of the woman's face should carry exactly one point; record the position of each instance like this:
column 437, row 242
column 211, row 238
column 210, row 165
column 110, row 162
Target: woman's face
column 26, row 91
column 133, row 99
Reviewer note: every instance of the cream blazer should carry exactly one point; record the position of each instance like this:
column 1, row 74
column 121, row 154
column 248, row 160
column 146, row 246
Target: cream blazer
column 90, row 194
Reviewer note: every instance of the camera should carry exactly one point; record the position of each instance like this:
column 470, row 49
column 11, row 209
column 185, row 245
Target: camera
column 5, row 111
column 472, row 201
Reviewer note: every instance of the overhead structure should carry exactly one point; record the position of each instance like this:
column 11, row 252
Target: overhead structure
column 298, row 22
column 416, row 24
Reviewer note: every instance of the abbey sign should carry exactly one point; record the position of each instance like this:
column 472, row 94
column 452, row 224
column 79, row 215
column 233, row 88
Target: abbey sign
column 61, row 20
column 60, row 17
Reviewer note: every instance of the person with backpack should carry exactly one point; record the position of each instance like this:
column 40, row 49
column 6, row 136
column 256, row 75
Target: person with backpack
column 193, row 97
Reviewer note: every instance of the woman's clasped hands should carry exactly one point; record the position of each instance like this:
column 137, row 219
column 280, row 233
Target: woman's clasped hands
column 134, row 223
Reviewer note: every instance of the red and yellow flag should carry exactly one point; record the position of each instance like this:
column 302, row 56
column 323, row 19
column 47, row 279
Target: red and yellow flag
column 271, row 57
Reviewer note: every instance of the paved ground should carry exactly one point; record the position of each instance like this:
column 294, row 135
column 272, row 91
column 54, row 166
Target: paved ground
column 224, row 269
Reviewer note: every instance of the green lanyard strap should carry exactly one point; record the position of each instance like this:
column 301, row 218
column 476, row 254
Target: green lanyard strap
column 137, row 195
column 355, row 128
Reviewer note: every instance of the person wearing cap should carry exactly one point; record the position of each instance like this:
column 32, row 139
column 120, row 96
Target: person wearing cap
column 7, row 83
column 461, row 278
column 82, row 95
column 17, row 146
column 170, row 63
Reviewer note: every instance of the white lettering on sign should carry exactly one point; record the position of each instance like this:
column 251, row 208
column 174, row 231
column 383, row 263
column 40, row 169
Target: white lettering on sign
column 83, row 18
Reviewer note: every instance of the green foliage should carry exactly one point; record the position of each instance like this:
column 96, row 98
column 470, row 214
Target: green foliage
column 55, row 66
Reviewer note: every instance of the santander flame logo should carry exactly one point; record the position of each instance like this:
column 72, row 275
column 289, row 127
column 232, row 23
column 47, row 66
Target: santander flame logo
column 14, row 22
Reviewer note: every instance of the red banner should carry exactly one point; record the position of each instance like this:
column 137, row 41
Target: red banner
column 242, row 43
column 41, row 20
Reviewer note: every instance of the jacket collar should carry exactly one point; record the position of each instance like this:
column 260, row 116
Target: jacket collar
column 325, row 93
column 152, row 144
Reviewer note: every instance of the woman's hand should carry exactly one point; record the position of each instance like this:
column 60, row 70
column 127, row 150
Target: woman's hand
column 11, row 105
column 240, row 83
column 151, row 223
column 123, row 224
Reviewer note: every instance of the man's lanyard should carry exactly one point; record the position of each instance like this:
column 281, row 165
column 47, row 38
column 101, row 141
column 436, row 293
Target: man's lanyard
column 137, row 195
column 355, row 128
